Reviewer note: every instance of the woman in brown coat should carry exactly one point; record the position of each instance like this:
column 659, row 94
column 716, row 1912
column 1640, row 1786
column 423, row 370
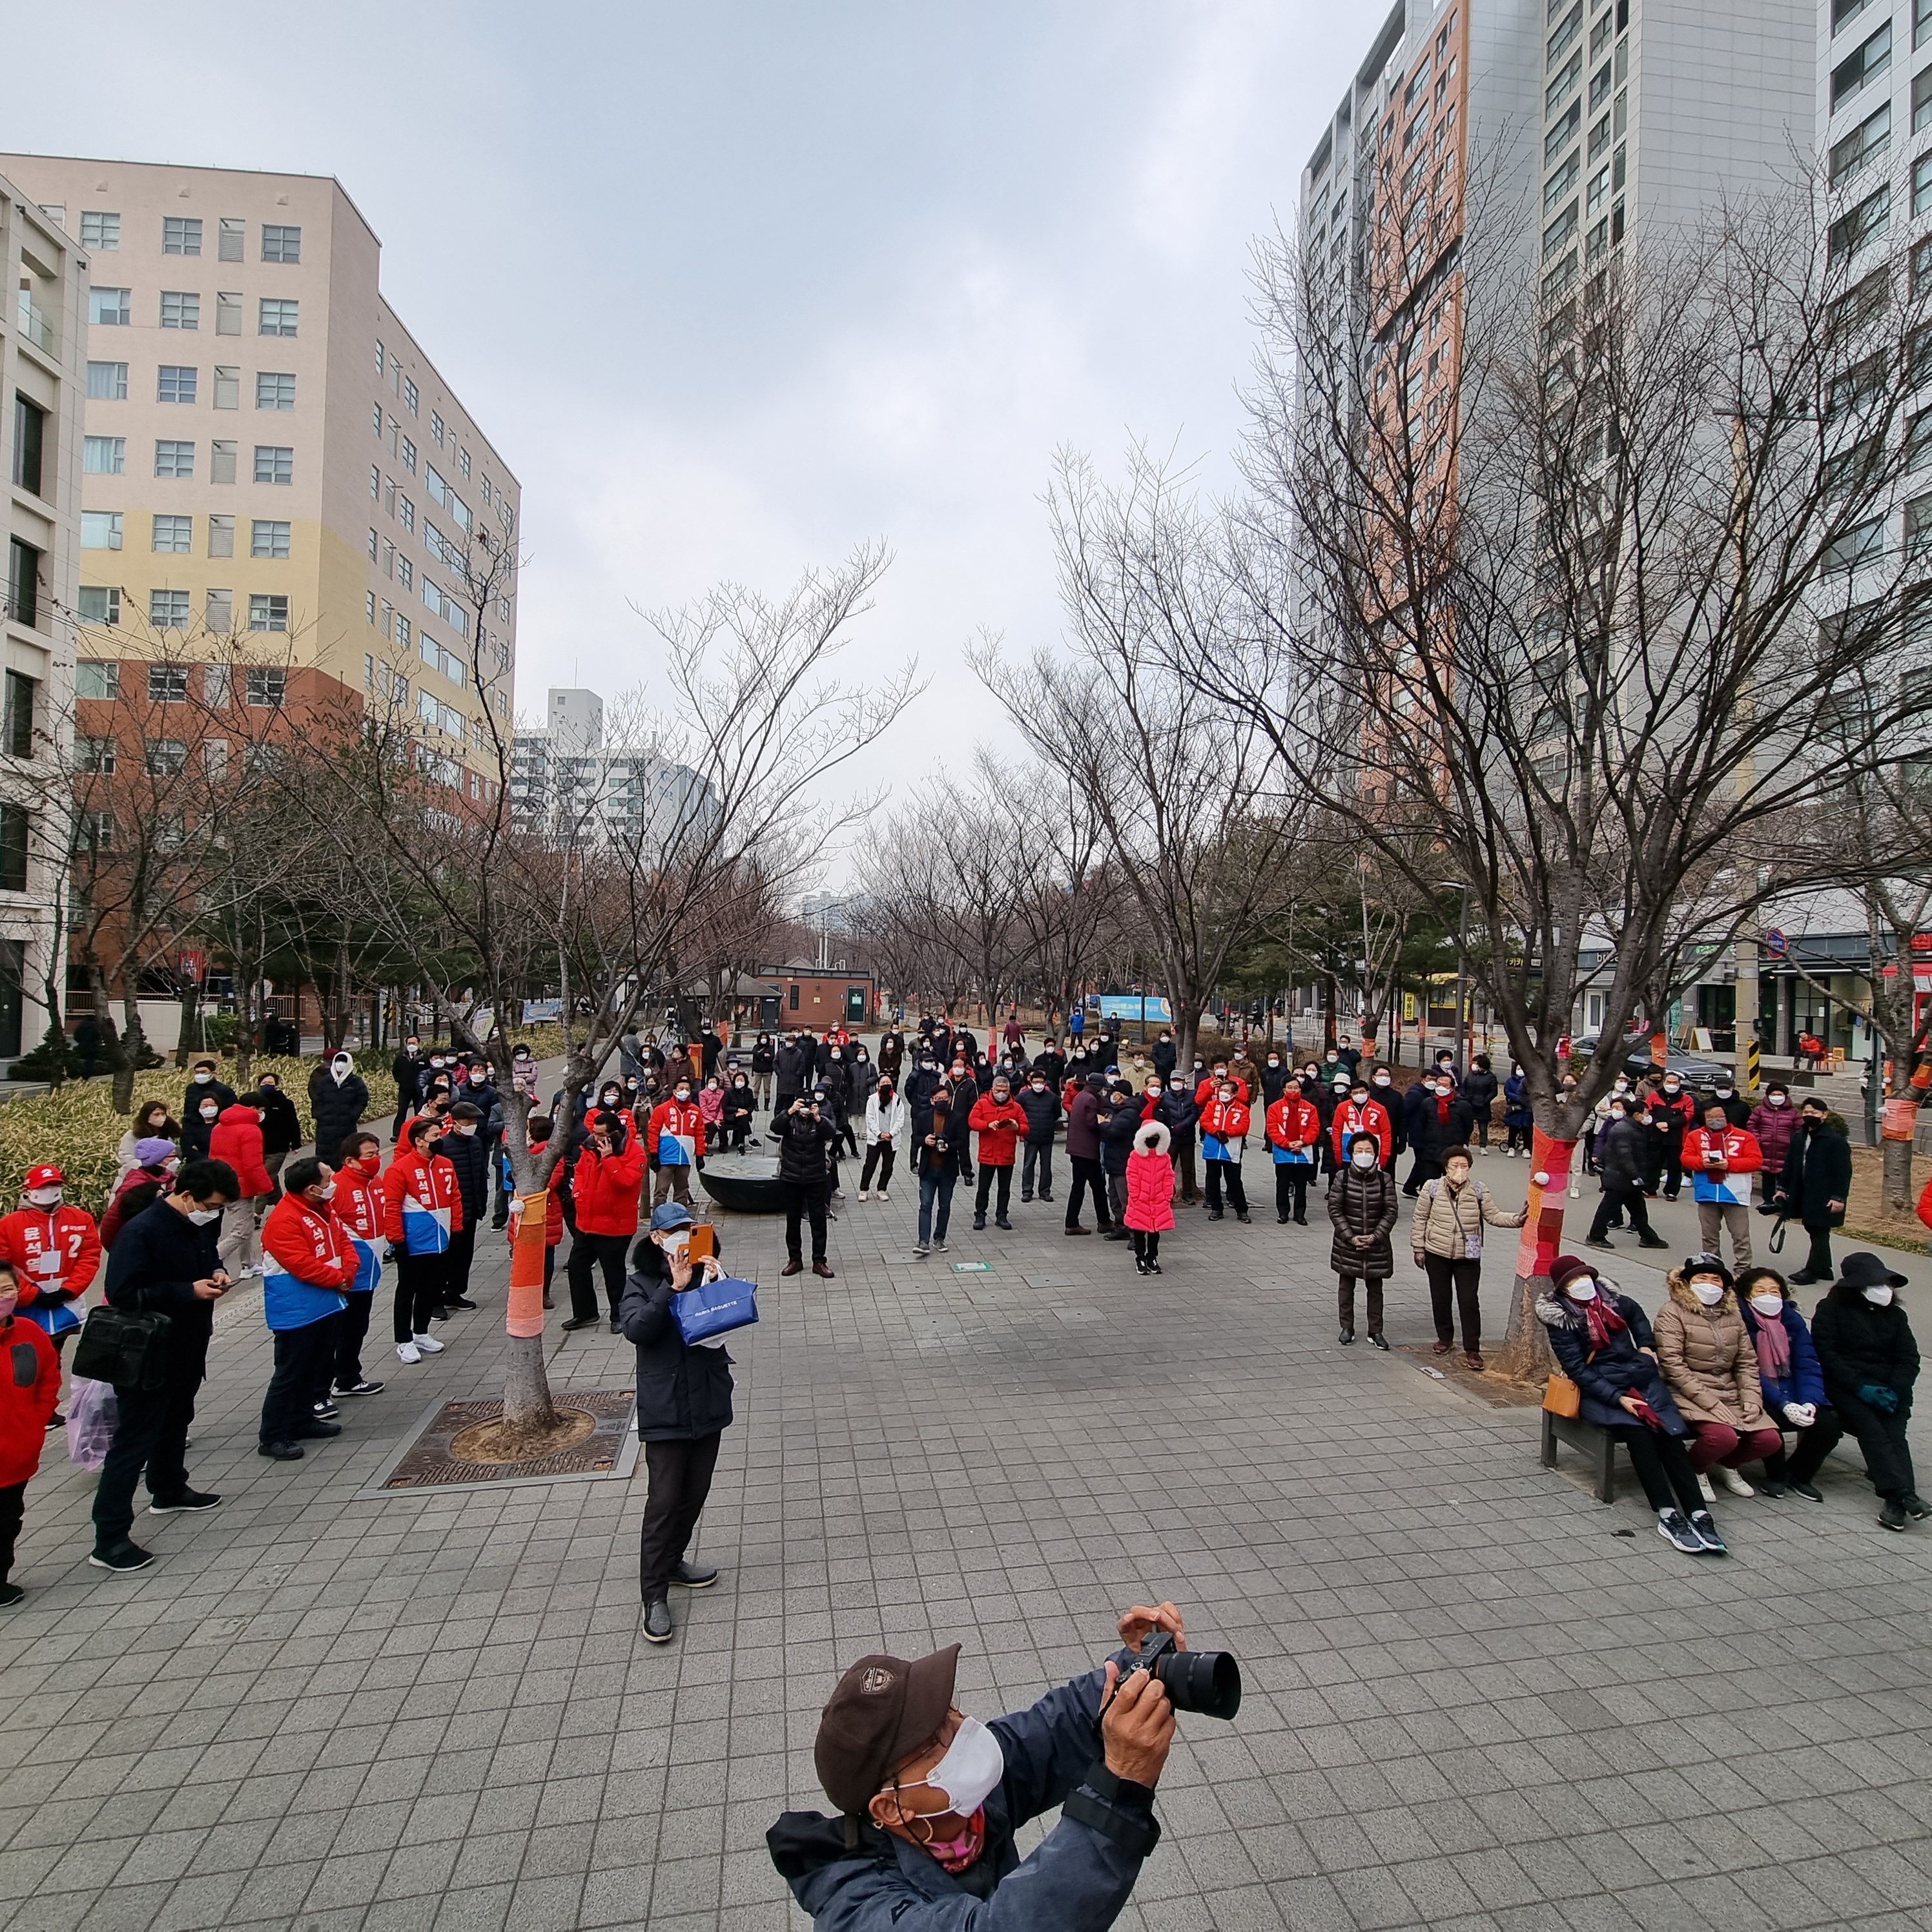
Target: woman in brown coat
column 1446, row 1237
column 1710, row 1366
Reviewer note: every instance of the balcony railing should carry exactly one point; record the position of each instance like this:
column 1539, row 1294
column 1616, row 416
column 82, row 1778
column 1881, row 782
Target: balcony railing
column 35, row 326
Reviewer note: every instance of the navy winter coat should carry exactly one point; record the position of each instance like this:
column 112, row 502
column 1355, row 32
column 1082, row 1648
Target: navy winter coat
column 1517, row 1109
column 1806, row 1381
column 1619, row 1370
column 1116, row 1130
column 682, row 1393
column 1076, row 1879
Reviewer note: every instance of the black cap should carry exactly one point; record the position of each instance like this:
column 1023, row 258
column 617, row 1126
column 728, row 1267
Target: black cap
column 883, row 1709
column 1865, row 1270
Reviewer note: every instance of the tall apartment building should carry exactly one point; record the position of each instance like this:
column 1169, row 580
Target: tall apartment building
column 567, row 785
column 270, row 456
column 43, row 330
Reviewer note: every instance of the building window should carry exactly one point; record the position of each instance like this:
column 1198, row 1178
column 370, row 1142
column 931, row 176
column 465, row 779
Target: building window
column 463, row 462
column 406, row 513
column 167, row 756
column 23, row 582
column 107, row 381
column 409, row 456
column 231, row 238
column 99, row 604
column 220, row 624
column 13, row 841
column 268, row 537
column 94, row 831
column 273, row 463
column 1867, row 140
column 273, row 390
column 370, row 610
column 793, row 1001
column 95, row 755
column 379, row 357
column 268, row 684
column 403, row 631
column 99, row 229
column 176, row 384
column 410, row 396
column 1866, row 63
column 436, row 425
column 174, row 534
column 227, row 314
column 101, row 529
column 1859, row 225
column 278, row 317
column 167, row 611
column 376, row 480
column 181, row 235
column 174, row 459
column 167, row 684
column 281, row 242
column 406, row 572
column 104, row 455
column 17, row 729
column 1859, row 544
column 180, row 309
column 1921, row 101
column 98, row 677
column 227, row 387
column 110, row 308
column 267, row 613
column 221, row 535
column 221, row 461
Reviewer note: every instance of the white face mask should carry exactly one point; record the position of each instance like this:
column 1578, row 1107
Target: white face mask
column 46, row 1197
column 1774, row 1099
column 340, row 1069
column 1364, row 1160
column 1879, row 1298
column 209, row 1113
column 466, row 1126
column 1581, row 1290
column 1710, row 1293
column 1768, row 1304
column 203, row 1079
column 201, row 1216
column 973, row 1764
column 328, row 1191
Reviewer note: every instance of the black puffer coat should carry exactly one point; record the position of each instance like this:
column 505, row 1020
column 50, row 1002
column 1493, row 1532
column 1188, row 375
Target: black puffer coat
column 682, row 1393
column 1362, row 1204
column 1859, row 1343
column 338, row 1110
column 1817, row 1172
column 1620, row 1369
column 803, row 1142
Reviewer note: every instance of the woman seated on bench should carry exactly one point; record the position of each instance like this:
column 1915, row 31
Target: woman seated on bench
column 1602, row 1342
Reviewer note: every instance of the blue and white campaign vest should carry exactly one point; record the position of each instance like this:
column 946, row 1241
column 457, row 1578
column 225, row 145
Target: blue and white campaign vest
column 425, row 1230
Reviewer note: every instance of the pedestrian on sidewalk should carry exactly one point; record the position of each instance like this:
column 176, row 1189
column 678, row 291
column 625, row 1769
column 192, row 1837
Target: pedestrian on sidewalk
column 466, row 1151
column 29, row 1394
column 806, row 1138
column 1816, row 1184
column 608, row 1179
column 1150, row 1208
column 1041, row 1104
column 936, row 1167
column 1119, row 1120
column 237, row 1140
column 1362, row 1205
column 888, row 1121
column 999, row 1120
column 684, row 1407
column 421, row 1208
column 1445, row 1235
column 1519, row 1116
column 358, row 1209
column 1792, row 1382
column 1083, row 1155
column 1870, row 1360
column 308, row 1266
column 1479, row 1090
column 281, row 1133
column 1621, row 1151
column 1293, row 1125
column 1720, row 1159
column 1224, row 1135
column 1710, row 1366
column 1773, row 1121
column 338, row 1097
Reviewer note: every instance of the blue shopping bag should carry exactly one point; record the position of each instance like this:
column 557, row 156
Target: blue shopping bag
column 710, row 1308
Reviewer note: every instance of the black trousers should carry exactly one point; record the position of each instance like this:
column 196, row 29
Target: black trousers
column 1345, row 1302
column 1184, row 1170
column 1087, row 1174
column 1619, row 1197
column 420, row 1288
column 1290, row 1188
column 1887, row 1456
column 1663, row 1466
column 843, row 1124
column 351, row 1326
column 499, row 1207
column 152, row 1435
column 1818, row 1262
column 1229, row 1171
column 804, row 1200
column 1036, row 1159
column 302, row 1359
column 680, row 1481
column 462, row 1253
column 13, row 1508
column 588, row 1253
column 1814, row 1444
column 1147, row 1244
column 988, row 1176
column 1461, row 1279
column 880, row 1156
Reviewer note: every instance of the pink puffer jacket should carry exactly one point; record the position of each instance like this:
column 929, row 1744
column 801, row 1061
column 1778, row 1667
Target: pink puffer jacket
column 1149, row 1182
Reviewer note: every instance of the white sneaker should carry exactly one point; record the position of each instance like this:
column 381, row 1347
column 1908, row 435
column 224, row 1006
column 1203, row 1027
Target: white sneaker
column 864, row 1196
column 1735, row 1483
column 884, row 1196
column 429, row 1345
column 408, row 1352
column 1704, row 1489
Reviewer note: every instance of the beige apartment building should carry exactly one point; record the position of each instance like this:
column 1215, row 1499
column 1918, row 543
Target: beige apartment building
column 268, row 453
column 43, row 332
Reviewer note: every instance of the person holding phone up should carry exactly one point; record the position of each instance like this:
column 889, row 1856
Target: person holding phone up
column 684, row 1407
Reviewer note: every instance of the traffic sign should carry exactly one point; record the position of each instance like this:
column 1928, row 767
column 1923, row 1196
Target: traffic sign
column 1775, row 942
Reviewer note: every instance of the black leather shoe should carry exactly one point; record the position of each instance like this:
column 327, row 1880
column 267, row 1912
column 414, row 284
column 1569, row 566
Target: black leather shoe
column 320, row 1428
column 657, row 1621
column 461, row 1301
column 281, row 1452
column 1376, row 1336
column 584, row 1322
column 692, row 1577
column 1347, row 1336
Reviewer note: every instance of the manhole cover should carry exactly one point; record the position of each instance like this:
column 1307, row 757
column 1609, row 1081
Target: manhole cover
column 464, row 1443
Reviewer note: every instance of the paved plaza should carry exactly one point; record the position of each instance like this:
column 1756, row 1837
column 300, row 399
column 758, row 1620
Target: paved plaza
column 1475, row 1696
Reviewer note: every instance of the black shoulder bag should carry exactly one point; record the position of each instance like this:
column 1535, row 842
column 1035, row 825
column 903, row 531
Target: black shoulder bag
column 127, row 1347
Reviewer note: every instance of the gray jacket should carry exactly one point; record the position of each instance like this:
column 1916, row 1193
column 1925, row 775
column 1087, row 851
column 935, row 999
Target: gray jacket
column 1076, row 1879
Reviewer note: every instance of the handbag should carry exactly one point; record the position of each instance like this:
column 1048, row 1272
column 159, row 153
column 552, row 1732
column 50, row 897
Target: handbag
column 125, row 1346
column 1561, row 1396
column 710, row 1309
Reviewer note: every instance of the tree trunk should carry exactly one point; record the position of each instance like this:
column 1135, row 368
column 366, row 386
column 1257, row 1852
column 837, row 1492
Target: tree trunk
column 187, row 1040
column 1525, row 1355
column 1898, row 1193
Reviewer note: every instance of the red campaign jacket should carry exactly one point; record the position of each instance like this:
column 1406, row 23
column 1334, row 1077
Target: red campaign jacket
column 29, row 1389
column 358, row 1203
column 237, row 1139
column 999, row 1128
column 668, row 1117
column 1742, row 1153
column 28, row 1233
column 1684, row 1105
column 310, row 1244
column 1226, row 1119
column 1295, row 1121
column 1204, row 1093
column 605, row 1187
column 1371, row 1117
column 432, row 1182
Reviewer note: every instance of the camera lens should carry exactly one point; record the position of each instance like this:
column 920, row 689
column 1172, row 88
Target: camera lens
column 1207, row 1681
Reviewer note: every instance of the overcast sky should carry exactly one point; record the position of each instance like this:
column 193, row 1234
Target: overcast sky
column 733, row 286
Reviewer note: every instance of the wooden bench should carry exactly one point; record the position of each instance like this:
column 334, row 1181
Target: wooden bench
column 1600, row 1445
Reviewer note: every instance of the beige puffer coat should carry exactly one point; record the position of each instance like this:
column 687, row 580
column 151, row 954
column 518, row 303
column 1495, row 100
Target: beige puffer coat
column 1709, row 1363
column 1448, row 1221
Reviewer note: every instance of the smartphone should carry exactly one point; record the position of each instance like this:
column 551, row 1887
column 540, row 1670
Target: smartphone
column 703, row 1241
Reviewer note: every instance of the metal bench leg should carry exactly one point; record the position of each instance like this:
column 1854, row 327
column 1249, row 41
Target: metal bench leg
column 1549, row 1440
column 1606, row 1468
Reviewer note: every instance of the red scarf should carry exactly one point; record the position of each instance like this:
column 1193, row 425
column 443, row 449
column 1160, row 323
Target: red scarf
column 1442, row 1108
column 1601, row 1320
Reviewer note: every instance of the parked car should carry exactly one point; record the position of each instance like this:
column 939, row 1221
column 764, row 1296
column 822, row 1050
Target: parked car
column 1695, row 1071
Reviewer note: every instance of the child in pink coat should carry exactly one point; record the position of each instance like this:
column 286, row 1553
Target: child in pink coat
column 1150, row 1196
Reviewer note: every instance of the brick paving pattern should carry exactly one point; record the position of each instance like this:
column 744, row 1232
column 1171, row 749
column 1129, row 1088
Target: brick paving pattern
column 1471, row 1701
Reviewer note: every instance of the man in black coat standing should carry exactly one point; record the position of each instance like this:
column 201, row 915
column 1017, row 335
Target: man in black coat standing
column 338, row 1097
column 1816, row 1184
column 468, row 1152
column 1620, row 1157
column 805, row 1138
column 407, row 1069
column 163, row 1262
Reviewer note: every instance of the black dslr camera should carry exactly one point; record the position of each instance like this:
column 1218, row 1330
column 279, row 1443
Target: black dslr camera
column 1207, row 1681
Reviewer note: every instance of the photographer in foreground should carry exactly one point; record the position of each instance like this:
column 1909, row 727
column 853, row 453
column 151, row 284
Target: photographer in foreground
column 931, row 1798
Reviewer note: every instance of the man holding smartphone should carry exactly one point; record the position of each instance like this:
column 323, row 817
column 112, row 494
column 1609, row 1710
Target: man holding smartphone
column 805, row 1140
column 1721, row 1159
column 163, row 1262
